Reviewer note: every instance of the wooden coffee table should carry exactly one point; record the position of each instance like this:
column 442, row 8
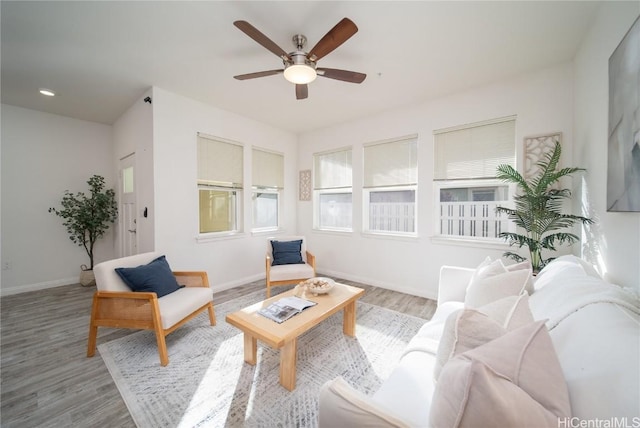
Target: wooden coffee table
column 284, row 336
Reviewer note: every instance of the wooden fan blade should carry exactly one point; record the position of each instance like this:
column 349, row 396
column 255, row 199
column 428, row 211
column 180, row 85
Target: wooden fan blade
column 263, row 40
column 334, row 38
column 302, row 92
column 257, row 74
column 344, row 75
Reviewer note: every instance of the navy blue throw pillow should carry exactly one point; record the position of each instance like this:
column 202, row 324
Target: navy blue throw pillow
column 287, row 252
column 155, row 276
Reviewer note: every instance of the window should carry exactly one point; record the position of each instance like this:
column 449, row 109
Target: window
column 470, row 211
column 219, row 185
column 390, row 180
column 127, row 180
column 466, row 159
column 268, row 183
column 332, row 191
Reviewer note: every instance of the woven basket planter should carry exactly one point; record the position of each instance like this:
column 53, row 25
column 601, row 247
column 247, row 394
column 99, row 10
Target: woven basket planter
column 87, row 278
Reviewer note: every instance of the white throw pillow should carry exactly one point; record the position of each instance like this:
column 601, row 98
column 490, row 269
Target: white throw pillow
column 487, row 268
column 526, row 265
column 515, row 380
column 510, row 312
column 484, row 289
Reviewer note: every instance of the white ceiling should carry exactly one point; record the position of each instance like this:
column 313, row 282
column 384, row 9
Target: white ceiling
column 101, row 56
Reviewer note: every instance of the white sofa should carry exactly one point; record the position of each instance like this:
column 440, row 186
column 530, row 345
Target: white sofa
column 594, row 327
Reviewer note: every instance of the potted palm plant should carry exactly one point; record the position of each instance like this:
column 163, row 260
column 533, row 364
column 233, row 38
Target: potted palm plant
column 538, row 210
column 87, row 218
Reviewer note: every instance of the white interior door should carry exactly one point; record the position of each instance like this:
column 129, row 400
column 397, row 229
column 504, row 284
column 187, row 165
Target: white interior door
column 127, row 210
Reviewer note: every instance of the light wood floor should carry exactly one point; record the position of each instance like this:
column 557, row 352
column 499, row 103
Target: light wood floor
column 46, row 378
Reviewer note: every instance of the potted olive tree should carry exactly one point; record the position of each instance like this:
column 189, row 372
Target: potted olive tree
column 538, row 210
column 87, row 218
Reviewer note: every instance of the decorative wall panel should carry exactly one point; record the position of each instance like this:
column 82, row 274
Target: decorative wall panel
column 535, row 148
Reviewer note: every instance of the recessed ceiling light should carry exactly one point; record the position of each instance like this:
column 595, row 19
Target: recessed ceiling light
column 47, row 92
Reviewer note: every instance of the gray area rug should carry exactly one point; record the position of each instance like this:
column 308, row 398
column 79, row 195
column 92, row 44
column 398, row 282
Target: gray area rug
column 207, row 383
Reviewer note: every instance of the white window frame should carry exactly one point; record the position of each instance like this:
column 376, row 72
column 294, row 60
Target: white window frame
column 234, row 189
column 410, row 184
column 235, row 215
column 342, row 188
column 366, row 195
column 271, row 181
column 254, row 195
column 505, row 224
column 317, row 194
column 473, row 182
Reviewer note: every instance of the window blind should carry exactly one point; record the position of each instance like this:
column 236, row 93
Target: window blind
column 332, row 170
column 474, row 151
column 393, row 163
column 219, row 163
column 267, row 169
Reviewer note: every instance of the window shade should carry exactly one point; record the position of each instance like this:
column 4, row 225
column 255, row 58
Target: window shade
column 332, row 170
column 474, row 151
column 392, row 163
column 219, row 163
column 267, row 169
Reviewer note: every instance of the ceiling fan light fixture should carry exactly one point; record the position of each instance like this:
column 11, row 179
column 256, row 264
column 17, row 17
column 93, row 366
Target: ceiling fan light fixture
column 47, row 92
column 300, row 74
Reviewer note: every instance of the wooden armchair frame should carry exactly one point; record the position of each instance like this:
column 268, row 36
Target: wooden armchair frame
column 310, row 260
column 136, row 310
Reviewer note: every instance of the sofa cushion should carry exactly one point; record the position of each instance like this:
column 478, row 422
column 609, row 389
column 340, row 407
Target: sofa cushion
column 488, row 287
column 428, row 337
column 287, row 252
column 595, row 327
column 156, row 276
column 567, row 265
column 599, row 350
column 409, row 389
column 339, row 402
column 514, row 380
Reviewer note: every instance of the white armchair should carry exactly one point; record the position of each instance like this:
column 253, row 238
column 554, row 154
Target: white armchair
column 290, row 273
column 115, row 305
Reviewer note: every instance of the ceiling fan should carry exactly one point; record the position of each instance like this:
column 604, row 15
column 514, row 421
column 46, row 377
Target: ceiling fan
column 300, row 67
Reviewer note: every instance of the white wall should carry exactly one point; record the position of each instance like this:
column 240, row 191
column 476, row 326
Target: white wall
column 42, row 156
column 613, row 243
column 542, row 102
column 133, row 134
column 176, row 122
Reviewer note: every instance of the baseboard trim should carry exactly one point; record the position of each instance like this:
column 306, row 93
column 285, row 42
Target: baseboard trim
column 8, row 291
column 376, row 283
column 231, row 284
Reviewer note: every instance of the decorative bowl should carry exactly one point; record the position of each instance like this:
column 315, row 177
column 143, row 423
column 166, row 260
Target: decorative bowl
column 319, row 285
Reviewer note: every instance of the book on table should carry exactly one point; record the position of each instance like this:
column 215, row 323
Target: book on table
column 283, row 309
